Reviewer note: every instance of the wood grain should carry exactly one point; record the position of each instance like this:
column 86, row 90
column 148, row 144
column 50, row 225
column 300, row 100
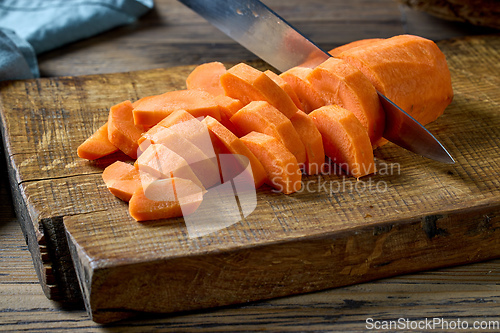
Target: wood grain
column 290, row 244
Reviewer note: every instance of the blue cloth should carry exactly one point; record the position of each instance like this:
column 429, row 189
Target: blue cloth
column 30, row 27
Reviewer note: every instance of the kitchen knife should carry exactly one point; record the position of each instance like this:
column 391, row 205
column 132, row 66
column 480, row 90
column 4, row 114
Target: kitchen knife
column 259, row 29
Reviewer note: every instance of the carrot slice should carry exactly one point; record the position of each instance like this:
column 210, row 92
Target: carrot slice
column 150, row 111
column 230, row 143
column 122, row 132
column 260, row 116
column 206, row 77
column 248, row 84
column 312, row 140
column 410, row 70
column 97, row 145
column 345, row 140
column 281, row 166
column 343, row 84
column 121, row 179
column 357, row 43
column 228, row 107
column 285, row 86
column 309, row 98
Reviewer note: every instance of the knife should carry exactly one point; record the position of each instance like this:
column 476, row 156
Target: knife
column 259, row 29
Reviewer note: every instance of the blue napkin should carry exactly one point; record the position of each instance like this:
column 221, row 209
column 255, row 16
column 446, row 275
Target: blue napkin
column 30, row 27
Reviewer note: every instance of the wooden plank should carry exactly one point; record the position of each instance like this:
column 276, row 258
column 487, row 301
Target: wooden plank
column 295, row 243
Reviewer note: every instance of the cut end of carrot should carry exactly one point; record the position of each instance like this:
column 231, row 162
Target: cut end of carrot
column 97, row 145
column 206, row 77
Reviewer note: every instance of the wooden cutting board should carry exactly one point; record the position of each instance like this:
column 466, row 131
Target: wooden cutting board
column 415, row 214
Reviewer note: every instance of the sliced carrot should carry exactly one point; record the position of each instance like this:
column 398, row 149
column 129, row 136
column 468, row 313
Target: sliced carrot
column 161, row 162
column 122, row 132
column 357, row 43
column 260, row 116
column 285, row 86
column 231, row 144
column 247, row 84
column 97, row 145
column 281, row 166
column 121, row 179
column 410, row 70
column 150, row 111
column 345, row 140
column 309, row 98
column 206, row 77
column 343, row 84
column 165, row 198
column 312, row 140
column 228, row 107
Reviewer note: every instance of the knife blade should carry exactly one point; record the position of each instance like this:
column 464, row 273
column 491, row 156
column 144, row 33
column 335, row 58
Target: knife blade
column 263, row 32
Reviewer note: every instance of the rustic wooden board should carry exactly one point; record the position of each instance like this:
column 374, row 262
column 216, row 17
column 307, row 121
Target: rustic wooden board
column 416, row 216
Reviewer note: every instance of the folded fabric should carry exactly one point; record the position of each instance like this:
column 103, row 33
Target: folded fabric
column 29, row 27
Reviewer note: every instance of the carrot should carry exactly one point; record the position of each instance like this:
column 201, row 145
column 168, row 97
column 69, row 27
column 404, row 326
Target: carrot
column 206, row 77
column 285, row 86
column 122, row 132
column 260, row 116
column 231, row 144
column 357, row 43
column 281, row 166
column 204, row 167
column 161, row 162
column 343, row 84
column 409, row 70
column 121, row 179
column 312, row 140
column 97, row 145
column 228, row 107
column 150, row 111
column 309, row 98
column 165, row 198
column 248, row 84
column 345, row 140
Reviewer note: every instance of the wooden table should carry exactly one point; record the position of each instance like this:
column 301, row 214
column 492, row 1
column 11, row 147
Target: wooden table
column 172, row 35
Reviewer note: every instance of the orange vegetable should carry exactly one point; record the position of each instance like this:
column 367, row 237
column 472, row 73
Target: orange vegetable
column 343, row 84
column 165, row 198
column 286, row 87
column 121, row 179
column 228, row 107
column 309, row 98
column 150, row 111
column 206, row 77
column 345, row 140
column 248, row 84
column 229, row 143
column 122, row 132
column 281, row 166
column 357, row 43
column 312, row 140
column 97, row 145
column 260, row 116
column 409, row 70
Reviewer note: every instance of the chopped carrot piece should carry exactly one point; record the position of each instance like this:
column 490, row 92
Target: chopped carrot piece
column 121, row 179
column 150, row 111
column 206, row 77
column 312, row 140
column 345, row 140
column 97, row 145
column 230, row 143
column 343, row 84
column 228, row 107
column 357, row 43
column 285, row 86
column 122, row 132
column 248, row 84
column 281, row 166
column 260, row 116
column 309, row 98
column 410, row 70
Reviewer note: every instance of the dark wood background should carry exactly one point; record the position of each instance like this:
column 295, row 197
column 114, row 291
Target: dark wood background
column 171, row 35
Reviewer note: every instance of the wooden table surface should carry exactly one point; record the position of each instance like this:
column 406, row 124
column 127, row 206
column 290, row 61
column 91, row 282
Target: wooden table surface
column 172, row 35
